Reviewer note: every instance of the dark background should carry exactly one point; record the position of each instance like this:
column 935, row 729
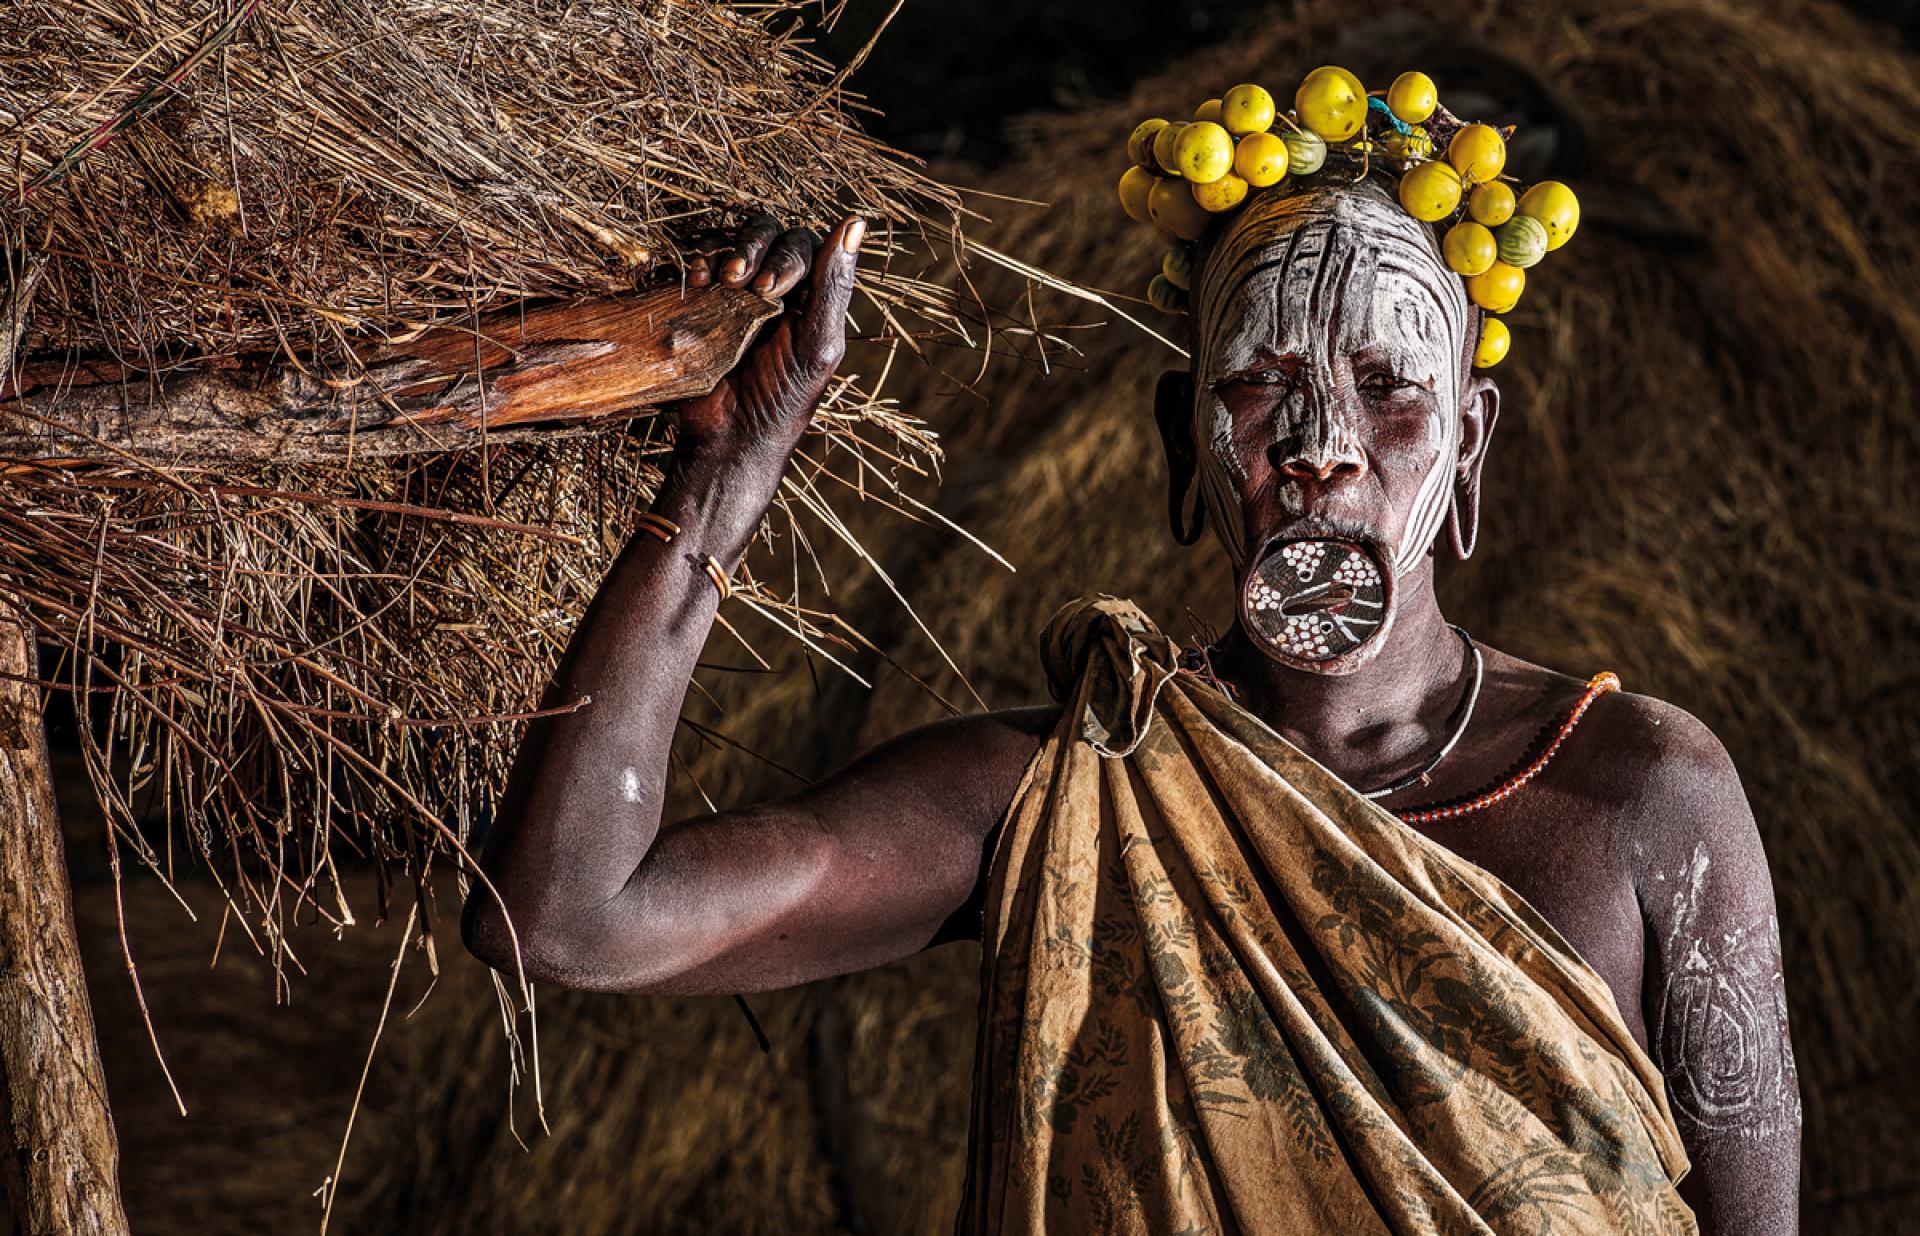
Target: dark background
column 975, row 63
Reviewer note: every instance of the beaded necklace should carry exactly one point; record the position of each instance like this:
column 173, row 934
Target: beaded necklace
column 1199, row 664
column 1597, row 686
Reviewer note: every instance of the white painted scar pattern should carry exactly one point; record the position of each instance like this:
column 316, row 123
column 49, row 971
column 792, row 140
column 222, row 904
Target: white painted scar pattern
column 1719, row 1020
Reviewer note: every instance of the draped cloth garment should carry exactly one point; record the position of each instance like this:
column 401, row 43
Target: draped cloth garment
column 1223, row 992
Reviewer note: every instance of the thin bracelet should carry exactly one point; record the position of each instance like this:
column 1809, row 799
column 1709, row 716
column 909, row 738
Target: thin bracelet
column 718, row 574
column 657, row 525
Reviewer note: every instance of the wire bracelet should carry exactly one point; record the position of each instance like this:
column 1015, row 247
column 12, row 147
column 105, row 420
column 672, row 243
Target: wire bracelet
column 718, row 574
column 657, row 525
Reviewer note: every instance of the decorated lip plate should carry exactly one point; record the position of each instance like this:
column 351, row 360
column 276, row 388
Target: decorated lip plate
column 1316, row 601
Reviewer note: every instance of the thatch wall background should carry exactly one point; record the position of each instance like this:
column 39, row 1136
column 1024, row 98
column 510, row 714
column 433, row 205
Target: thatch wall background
column 1703, row 480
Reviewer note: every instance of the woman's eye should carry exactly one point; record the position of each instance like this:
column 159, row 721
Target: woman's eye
column 1383, row 384
column 1261, row 377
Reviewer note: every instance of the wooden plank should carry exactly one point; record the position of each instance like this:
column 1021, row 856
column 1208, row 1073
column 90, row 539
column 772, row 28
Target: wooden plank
column 61, row 1165
column 446, row 389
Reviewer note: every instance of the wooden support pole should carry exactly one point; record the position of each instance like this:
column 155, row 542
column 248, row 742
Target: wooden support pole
column 61, row 1171
column 446, row 389
column 59, row 1159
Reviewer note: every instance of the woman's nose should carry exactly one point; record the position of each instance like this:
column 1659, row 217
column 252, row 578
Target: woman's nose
column 1324, row 462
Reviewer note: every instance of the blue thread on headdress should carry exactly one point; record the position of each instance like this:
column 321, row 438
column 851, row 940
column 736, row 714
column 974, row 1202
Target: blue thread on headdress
column 1377, row 104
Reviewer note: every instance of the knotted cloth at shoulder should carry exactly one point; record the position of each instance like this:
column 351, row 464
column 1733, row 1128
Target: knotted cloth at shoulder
column 1223, row 992
column 1106, row 662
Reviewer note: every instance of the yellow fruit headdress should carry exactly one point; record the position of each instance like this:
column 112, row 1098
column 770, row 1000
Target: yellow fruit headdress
column 1184, row 176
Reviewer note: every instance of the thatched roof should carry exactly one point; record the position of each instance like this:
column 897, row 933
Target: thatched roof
column 1701, row 481
column 325, row 169
column 281, row 658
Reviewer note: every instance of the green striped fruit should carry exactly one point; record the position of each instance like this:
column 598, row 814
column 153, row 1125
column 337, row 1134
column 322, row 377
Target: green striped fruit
column 1522, row 240
column 1306, row 152
column 1162, row 295
column 1177, row 266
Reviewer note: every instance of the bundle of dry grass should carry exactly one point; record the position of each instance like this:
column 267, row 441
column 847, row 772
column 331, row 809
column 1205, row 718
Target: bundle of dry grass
column 325, row 172
column 1701, row 480
column 296, row 636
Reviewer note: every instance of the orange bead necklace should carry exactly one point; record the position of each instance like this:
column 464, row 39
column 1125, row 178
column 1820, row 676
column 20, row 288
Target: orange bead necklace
column 1597, row 686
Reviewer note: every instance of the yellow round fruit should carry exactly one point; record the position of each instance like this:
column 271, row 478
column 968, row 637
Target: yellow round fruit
column 1430, row 191
column 1495, row 339
column 1469, row 248
column 1177, row 266
column 1140, row 145
column 1209, row 111
column 1135, row 184
column 1412, row 97
column 1497, row 288
column 1203, row 152
column 1246, row 109
column 1170, row 204
column 1331, row 102
column 1414, row 144
column 1163, row 148
column 1491, row 203
column 1164, row 296
column 1221, row 195
column 1261, row 159
column 1477, row 152
column 1554, row 205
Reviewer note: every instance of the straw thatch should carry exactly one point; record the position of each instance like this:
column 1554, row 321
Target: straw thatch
column 1700, row 481
column 326, row 171
column 278, row 657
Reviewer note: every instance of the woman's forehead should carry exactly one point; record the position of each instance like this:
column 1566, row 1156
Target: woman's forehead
column 1304, row 300
column 1344, row 268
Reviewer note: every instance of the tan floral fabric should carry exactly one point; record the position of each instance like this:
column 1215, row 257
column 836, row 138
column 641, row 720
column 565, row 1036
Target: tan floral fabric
column 1225, row 993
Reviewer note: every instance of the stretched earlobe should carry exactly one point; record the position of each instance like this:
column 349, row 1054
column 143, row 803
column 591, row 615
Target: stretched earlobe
column 1173, row 411
column 1481, row 411
column 1463, row 518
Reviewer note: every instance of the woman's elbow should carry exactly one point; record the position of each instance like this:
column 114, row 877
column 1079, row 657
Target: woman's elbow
column 572, row 956
column 488, row 934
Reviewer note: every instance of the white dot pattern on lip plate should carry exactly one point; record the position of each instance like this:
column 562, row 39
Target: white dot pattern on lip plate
column 1302, row 570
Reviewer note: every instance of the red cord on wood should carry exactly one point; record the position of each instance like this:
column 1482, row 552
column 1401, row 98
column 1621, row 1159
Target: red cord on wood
column 1597, row 687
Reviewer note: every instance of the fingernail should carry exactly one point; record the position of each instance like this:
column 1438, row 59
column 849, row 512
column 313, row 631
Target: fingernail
column 855, row 232
column 735, row 268
column 764, row 282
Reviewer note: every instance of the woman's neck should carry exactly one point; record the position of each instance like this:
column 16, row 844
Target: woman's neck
column 1381, row 721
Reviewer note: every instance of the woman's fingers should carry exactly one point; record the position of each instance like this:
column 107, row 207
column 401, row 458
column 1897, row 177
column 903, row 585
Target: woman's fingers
column 820, row 337
column 786, row 263
column 750, row 247
column 706, row 252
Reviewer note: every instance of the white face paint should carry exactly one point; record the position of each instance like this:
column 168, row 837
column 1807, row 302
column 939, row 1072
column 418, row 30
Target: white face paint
column 1319, row 278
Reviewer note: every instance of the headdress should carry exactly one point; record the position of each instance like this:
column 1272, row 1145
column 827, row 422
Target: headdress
column 1186, row 176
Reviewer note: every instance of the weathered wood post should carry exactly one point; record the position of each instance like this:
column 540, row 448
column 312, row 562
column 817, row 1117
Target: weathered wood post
column 61, row 1168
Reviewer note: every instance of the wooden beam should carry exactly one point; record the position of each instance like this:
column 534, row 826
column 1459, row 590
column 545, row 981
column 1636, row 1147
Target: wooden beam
column 62, row 1160
column 446, row 389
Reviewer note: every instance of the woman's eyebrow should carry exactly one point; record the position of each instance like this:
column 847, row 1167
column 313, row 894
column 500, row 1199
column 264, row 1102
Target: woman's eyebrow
column 1261, row 356
column 1262, row 359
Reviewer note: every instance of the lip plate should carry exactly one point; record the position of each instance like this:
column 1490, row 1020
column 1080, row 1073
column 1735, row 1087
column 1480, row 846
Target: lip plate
column 1252, row 619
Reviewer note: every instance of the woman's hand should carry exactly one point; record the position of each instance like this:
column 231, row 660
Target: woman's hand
column 761, row 408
